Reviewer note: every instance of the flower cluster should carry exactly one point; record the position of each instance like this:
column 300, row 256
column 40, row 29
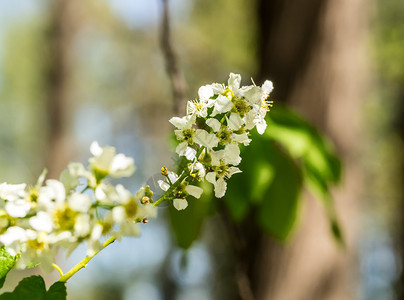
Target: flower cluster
column 210, row 133
column 83, row 206
column 36, row 221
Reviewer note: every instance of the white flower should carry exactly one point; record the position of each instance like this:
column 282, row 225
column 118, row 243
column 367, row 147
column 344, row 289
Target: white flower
column 164, row 184
column 198, row 108
column 70, row 176
column 197, row 168
column 11, row 192
column 219, row 176
column 52, row 195
column 13, row 238
column 106, row 193
column 15, row 196
column 107, row 162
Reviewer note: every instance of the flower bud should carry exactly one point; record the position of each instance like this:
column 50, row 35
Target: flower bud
column 164, row 171
column 145, row 200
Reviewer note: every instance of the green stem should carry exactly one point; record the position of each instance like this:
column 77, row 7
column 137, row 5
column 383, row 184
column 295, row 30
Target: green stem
column 84, row 262
column 170, row 189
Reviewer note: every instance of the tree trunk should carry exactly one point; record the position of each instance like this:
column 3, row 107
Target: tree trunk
column 62, row 27
column 313, row 51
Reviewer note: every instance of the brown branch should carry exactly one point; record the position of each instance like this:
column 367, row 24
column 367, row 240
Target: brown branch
column 178, row 84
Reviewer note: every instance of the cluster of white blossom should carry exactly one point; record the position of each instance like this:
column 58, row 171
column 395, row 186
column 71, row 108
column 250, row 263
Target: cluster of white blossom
column 210, row 134
column 82, row 206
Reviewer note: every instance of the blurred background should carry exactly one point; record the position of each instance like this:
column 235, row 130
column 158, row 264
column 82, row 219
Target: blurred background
column 76, row 71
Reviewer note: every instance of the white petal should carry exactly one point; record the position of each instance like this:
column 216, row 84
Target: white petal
column 267, row 87
column 220, row 188
column 99, row 193
column 222, row 105
column 205, row 92
column 180, row 204
column 199, row 167
column 194, row 191
column 12, row 192
column 203, row 138
column 214, row 124
column 173, row 177
column 13, row 234
column 249, row 120
column 41, row 222
column 122, row 166
column 118, row 214
column 190, row 153
column 234, row 82
column 234, row 122
column 82, row 225
column 96, row 232
column 184, row 122
column 180, row 150
column 80, row 202
column 18, row 208
column 231, row 154
column 95, row 149
column 261, row 126
column 241, row 138
column 163, row 185
column 253, row 94
column 233, row 170
column 211, row 177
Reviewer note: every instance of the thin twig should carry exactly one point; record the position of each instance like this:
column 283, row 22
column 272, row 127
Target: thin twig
column 178, row 84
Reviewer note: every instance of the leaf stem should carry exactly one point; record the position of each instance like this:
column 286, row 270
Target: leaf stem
column 84, row 262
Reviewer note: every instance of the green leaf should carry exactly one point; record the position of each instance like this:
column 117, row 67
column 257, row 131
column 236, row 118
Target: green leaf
column 280, row 204
column 303, row 141
column 315, row 155
column 270, row 184
column 7, row 262
column 30, row 288
column 56, row 292
column 187, row 224
column 337, row 232
column 33, row 288
column 237, row 198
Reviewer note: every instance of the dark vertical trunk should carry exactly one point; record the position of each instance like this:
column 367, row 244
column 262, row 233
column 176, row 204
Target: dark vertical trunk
column 60, row 33
column 313, row 52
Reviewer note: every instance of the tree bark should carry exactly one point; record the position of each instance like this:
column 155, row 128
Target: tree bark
column 313, row 51
column 62, row 27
